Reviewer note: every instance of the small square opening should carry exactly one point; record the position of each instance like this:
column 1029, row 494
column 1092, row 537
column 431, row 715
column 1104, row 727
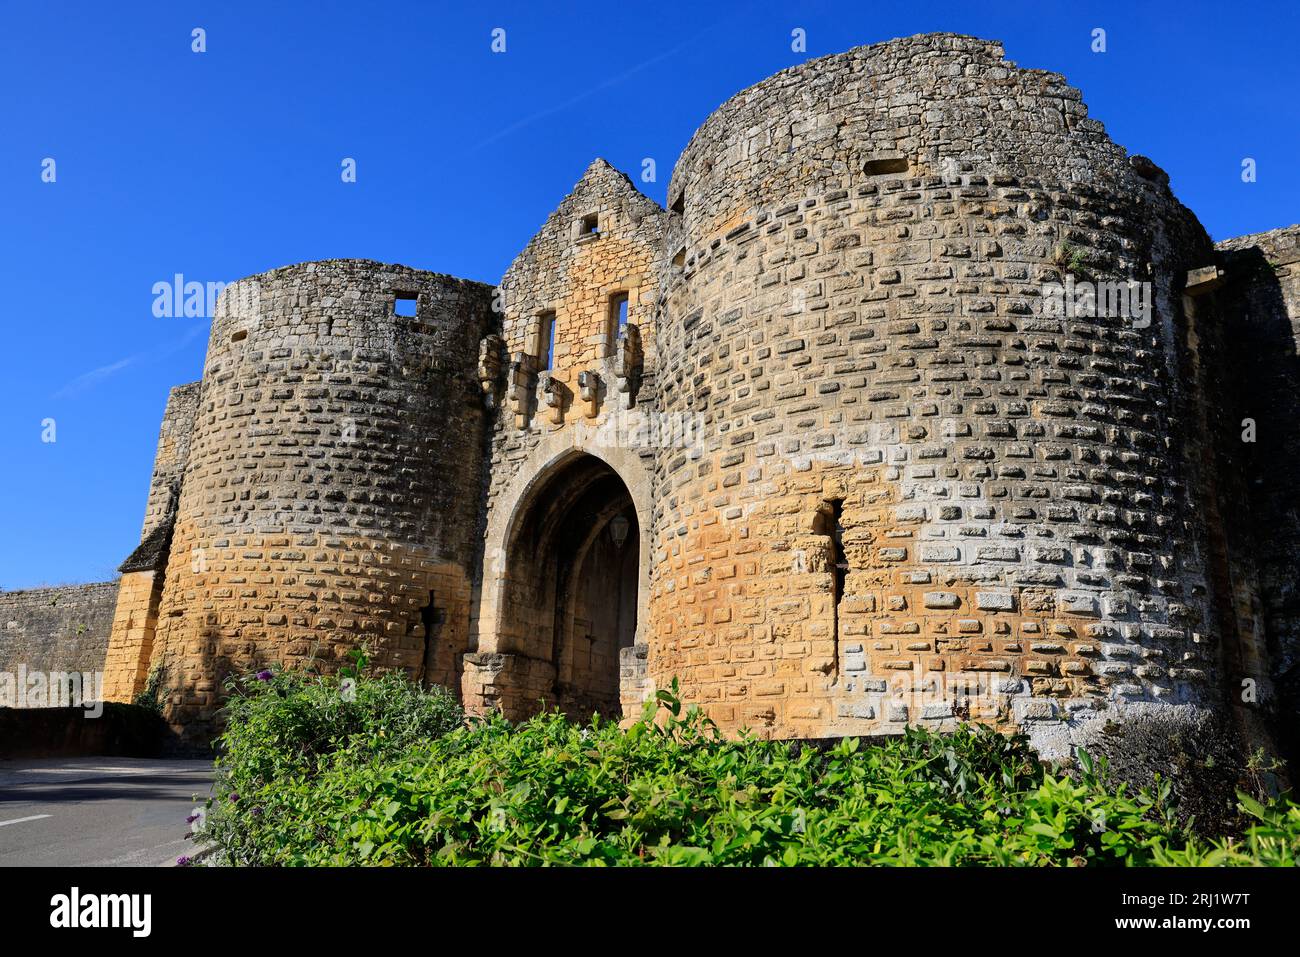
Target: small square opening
column 406, row 305
column 590, row 225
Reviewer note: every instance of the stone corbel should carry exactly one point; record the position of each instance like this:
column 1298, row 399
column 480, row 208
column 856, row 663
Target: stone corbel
column 589, row 390
column 628, row 360
column 557, row 395
column 520, row 385
column 489, row 368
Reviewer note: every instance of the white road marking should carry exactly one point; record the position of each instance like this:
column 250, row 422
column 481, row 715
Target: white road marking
column 85, row 769
column 20, row 820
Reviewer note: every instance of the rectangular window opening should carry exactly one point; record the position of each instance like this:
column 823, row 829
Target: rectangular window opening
column 545, row 340
column 617, row 315
column 405, row 305
column 679, row 204
column 590, row 225
column 885, row 164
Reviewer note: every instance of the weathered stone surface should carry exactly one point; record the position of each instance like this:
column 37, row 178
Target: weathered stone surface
column 62, row 629
column 1260, row 302
column 331, row 487
column 862, row 473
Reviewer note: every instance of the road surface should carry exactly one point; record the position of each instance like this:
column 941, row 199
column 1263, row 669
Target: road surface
column 98, row 812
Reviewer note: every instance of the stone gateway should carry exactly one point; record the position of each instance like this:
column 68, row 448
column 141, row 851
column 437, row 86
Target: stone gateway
column 806, row 441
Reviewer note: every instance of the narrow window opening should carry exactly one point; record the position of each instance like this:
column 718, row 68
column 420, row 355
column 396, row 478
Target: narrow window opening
column 429, row 617
column 617, row 315
column 405, row 305
column 590, row 225
column 679, row 204
column 885, row 164
column 432, row 618
column 830, row 522
column 545, row 340
column 239, row 336
column 679, row 261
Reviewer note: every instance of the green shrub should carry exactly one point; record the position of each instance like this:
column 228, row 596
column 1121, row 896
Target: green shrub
column 674, row 792
column 1272, row 839
column 283, row 728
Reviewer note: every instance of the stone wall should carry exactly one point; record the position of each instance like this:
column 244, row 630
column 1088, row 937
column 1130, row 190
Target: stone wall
column 570, row 443
column 1261, row 302
column 135, row 621
column 871, row 476
column 921, row 497
column 56, row 629
column 173, row 452
column 130, row 651
column 120, row 730
column 333, row 481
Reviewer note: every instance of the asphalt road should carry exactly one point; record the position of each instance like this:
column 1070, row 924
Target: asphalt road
column 98, row 812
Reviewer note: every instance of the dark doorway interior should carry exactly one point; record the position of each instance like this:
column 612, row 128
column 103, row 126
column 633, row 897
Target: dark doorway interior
column 572, row 581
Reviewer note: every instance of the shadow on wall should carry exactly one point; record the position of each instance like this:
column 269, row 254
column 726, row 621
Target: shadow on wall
column 123, row 730
column 1262, row 353
column 193, row 713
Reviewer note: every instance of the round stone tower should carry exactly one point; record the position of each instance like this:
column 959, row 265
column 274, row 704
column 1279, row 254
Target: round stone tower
column 935, row 482
column 333, row 481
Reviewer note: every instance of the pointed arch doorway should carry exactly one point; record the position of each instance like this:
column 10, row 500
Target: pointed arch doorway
column 571, row 584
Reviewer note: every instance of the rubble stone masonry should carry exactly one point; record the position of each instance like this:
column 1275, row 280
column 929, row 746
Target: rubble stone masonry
column 60, row 629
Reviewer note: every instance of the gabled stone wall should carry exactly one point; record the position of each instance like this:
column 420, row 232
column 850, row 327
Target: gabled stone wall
column 595, row 398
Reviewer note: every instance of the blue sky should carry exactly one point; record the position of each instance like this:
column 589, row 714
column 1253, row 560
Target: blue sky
column 227, row 163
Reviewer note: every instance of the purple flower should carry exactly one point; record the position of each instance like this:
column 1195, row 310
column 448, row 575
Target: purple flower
column 191, row 819
column 183, row 861
column 233, row 797
column 264, row 675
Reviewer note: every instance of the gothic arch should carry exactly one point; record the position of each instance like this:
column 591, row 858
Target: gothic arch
column 555, row 454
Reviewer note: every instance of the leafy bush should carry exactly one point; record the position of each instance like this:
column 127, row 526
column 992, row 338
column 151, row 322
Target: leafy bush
column 283, row 728
column 672, row 791
column 1272, row 839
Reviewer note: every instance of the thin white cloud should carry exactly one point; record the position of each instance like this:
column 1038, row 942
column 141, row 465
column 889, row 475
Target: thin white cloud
column 579, row 97
column 89, row 380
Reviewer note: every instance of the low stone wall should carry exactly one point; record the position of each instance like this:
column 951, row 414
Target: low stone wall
column 121, row 730
column 56, row 629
